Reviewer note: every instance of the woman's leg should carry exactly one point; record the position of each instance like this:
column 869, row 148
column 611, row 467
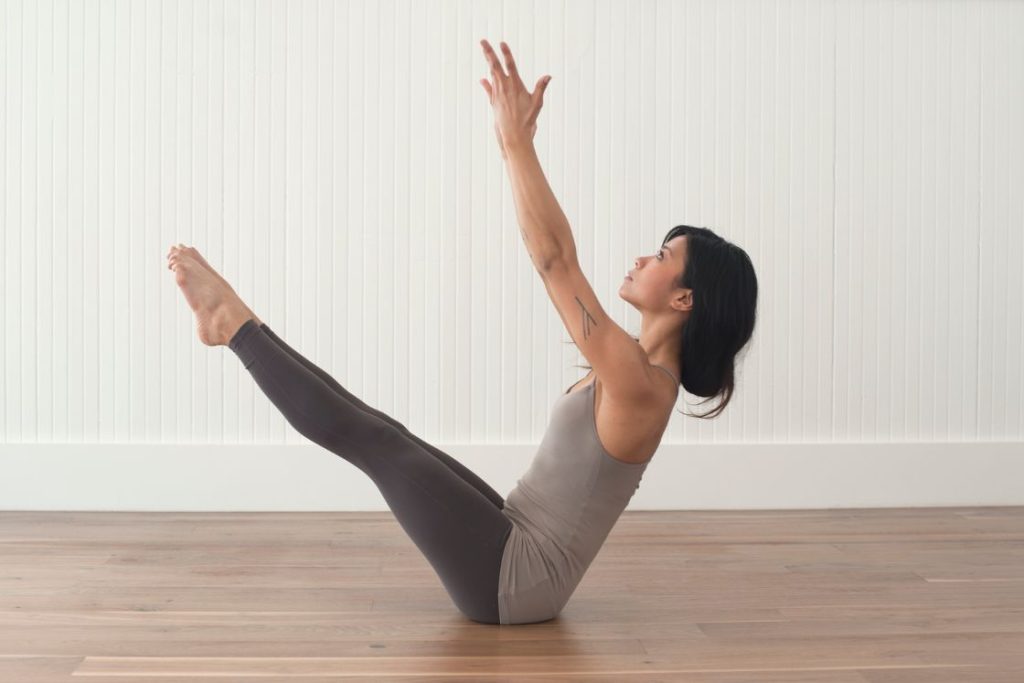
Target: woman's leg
column 456, row 527
column 467, row 474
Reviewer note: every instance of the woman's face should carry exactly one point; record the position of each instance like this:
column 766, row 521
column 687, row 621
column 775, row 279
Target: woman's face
column 653, row 277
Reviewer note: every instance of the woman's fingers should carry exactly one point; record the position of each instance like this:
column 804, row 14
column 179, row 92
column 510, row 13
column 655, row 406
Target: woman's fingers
column 519, row 107
column 542, row 87
column 492, row 59
column 538, row 98
column 510, row 62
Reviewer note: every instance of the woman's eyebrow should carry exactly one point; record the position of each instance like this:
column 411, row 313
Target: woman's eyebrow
column 665, row 246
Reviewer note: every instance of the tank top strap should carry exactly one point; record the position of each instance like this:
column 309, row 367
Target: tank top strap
column 668, row 371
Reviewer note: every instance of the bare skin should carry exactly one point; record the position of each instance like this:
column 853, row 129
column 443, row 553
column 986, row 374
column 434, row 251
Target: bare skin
column 218, row 308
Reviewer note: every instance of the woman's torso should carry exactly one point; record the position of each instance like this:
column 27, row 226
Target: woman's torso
column 585, row 471
column 628, row 431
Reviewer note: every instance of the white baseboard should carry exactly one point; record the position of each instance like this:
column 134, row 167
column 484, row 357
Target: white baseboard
column 246, row 477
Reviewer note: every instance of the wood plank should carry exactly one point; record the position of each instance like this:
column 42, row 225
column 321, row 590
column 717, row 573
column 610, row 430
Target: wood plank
column 844, row 596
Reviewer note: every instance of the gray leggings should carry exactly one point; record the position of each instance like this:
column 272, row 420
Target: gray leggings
column 452, row 515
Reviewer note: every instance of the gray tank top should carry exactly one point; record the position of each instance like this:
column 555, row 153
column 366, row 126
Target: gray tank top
column 561, row 510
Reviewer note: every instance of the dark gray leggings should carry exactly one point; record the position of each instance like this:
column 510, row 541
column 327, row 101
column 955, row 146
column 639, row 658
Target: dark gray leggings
column 452, row 515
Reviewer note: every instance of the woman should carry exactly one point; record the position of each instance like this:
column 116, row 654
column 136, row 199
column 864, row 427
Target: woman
column 518, row 561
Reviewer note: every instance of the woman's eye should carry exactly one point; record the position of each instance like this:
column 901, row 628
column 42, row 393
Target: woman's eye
column 660, row 256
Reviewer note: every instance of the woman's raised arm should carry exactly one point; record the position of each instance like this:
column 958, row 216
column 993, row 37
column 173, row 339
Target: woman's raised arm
column 542, row 222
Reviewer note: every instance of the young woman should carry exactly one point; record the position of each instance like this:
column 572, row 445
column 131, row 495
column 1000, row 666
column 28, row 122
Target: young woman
column 518, row 561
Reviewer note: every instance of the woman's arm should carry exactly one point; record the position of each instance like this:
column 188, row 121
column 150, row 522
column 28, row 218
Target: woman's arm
column 542, row 224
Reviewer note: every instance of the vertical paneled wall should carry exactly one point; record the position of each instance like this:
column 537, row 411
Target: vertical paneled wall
column 337, row 162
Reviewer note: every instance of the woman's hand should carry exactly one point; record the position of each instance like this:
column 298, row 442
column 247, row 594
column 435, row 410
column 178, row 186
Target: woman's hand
column 515, row 108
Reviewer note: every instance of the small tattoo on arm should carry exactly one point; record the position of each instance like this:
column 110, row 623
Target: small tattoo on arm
column 526, row 241
column 587, row 319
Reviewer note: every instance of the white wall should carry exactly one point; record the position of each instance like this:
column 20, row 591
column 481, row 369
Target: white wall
column 337, row 162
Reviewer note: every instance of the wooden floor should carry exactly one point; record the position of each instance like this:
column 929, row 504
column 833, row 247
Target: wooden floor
column 830, row 596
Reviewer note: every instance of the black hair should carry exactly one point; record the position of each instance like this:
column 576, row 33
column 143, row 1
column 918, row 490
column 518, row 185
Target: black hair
column 724, row 313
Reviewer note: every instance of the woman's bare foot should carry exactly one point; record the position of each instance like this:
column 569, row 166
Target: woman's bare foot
column 219, row 310
column 194, row 253
column 199, row 257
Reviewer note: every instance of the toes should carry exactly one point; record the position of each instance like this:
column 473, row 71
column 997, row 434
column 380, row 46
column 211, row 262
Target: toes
column 179, row 253
column 180, row 248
